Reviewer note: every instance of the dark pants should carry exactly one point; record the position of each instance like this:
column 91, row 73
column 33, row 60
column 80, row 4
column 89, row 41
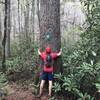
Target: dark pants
column 47, row 76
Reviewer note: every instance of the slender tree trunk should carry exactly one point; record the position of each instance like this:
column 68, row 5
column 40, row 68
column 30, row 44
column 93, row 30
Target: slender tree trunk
column 8, row 30
column 38, row 2
column 14, row 27
column 27, row 20
column 0, row 37
column 50, row 27
column 21, row 19
column 32, row 17
column 4, row 38
column 18, row 15
column 0, row 28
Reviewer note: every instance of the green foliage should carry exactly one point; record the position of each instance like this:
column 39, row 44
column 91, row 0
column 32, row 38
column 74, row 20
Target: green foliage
column 24, row 60
column 85, row 97
column 3, row 80
column 97, row 86
column 82, row 62
column 57, row 87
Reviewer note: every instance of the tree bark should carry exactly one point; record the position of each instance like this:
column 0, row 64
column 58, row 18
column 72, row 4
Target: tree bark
column 8, row 30
column 18, row 15
column 27, row 20
column 50, row 27
column 21, row 23
column 33, row 14
column 37, row 11
column 14, row 27
column 4, row 38
column 0, row 37
column 0, row 28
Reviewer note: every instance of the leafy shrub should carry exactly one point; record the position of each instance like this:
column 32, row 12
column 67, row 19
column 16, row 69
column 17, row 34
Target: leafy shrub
column 3, row 80
column 81, row 75
column 24, row 60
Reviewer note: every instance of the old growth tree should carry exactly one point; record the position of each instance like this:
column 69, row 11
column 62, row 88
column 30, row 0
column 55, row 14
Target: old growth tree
column 49, row 17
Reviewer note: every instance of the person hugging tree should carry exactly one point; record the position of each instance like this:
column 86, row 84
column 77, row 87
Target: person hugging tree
column 48, row 58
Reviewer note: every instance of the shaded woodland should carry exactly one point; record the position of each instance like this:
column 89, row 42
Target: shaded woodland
column 73, row 25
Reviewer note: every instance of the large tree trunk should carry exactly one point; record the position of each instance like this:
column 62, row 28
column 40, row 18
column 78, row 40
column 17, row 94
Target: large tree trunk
column 50, row 26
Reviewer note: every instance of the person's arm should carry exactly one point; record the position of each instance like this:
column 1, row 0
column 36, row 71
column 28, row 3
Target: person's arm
column 59, row 53
column 39, row 52
column 55, row 54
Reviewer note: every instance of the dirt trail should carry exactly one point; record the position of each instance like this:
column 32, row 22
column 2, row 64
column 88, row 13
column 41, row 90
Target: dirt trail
column 24, row 95
column 17, row 93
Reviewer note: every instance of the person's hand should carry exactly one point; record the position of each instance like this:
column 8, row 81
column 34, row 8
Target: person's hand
column 39, row 52
column 59, row 53
column 60, row 50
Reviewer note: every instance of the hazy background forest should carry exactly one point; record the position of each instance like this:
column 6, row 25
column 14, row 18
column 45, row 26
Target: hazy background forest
column 24, row 19
column 20, row 37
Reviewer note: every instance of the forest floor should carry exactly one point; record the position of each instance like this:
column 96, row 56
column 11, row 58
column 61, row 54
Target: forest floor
column 21, row 87
column 16, row 92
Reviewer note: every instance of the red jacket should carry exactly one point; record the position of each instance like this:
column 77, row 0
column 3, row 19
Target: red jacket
column 43, row 57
